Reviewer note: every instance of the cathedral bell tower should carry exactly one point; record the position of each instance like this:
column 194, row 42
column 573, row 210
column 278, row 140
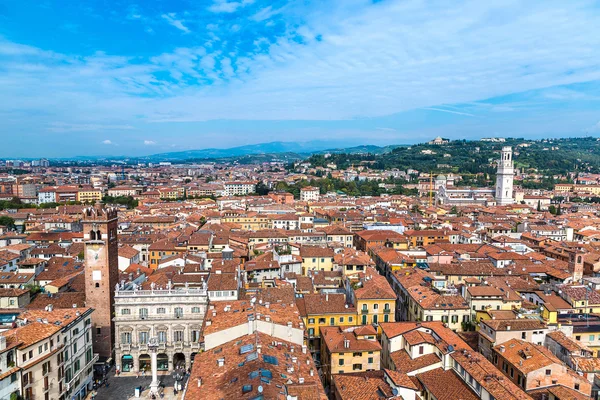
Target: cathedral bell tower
column 504, row 178
column 101, row 274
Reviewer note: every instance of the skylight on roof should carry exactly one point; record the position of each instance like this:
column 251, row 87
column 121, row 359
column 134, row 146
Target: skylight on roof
column 266, row 373
column 270, row 360
column 246, row 348
column 246, row 389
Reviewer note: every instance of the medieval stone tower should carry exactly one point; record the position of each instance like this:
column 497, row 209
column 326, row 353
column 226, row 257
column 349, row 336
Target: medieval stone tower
column 101, row 274
column 504, row 178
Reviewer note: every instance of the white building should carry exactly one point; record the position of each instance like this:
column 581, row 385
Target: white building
column 504, row 178
column 173, row 316
column 309, row 193
column 47, row 195
column 239, row 188
column 53, row 354
column 11, row 377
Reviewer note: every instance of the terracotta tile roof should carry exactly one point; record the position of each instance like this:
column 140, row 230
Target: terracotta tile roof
column 238, row 312
column 569, row 344
column 446, row 385
column 374, row 286
column 315, row 252
column 338, row 341
column 418, row 337
column 488, row 376
column 12, row 292
column 405, row 364
column 222, row 282
column 65, row 280
column 128, row 252
column 482, row 290
column 31, row 333
column 369, row 385
column 526, row 357
column 557, row 392
column 318, row 304
column 242, row 374
column 523, row 324
column 58, row 300
column 578, row 293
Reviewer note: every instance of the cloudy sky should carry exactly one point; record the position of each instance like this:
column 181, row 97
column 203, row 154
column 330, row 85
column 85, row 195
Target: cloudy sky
column 110, row 77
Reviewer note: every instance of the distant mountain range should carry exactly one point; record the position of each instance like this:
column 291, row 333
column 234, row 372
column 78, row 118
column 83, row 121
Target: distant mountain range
column 290, row 149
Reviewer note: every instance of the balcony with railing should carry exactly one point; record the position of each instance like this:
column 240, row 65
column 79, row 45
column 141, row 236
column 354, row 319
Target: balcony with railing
column 162, row 292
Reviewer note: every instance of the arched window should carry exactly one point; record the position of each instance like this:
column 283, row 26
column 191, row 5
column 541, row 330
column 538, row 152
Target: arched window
column 99, row 235
column 92, row 235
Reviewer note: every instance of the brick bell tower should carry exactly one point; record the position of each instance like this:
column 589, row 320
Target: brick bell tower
column 101, row 274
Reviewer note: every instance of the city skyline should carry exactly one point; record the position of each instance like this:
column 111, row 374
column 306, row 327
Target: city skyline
column 146, row 78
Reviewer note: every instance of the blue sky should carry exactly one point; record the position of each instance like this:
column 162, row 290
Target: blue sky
column 132, row 78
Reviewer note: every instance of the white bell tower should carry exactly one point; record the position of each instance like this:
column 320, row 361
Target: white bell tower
column 504, row 178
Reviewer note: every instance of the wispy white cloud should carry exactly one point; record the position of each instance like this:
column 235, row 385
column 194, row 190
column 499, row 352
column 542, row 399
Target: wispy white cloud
column 225, row 6
column 448, row 111
column 69, row 127
column 107, row 141
column 266, row 13
column 149, row 142
column 172, row 19
column 346, row 59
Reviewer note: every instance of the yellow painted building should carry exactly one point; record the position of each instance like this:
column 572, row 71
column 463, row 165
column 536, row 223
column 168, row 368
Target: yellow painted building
column 162, row 249
column 324, row 310
column 249, row 222
column 349, row 352
column 373, row 297
column 89, row 195
column 316, row 258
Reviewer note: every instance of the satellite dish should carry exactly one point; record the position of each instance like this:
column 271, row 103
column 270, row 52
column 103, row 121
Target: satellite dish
column 253, row 300
column 260, row 389
column 395, row 392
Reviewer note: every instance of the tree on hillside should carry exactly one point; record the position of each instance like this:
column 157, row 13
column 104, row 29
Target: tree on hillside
column 7, row 222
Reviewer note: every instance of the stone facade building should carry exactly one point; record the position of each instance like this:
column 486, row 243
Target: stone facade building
column 173, row 316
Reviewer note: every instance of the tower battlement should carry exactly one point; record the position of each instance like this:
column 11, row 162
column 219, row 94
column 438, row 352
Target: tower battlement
column 99, row 213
